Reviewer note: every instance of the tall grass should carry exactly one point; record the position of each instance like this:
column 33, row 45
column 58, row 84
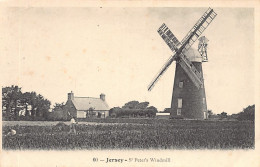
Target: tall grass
column 163, row 134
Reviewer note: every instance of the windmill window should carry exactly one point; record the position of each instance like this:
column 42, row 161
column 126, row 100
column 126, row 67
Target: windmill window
column 181, row 84
column 178, row 111
column 179, row 103
column 203, row 100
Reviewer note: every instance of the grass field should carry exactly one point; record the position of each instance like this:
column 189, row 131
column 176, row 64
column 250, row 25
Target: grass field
column 131, row 134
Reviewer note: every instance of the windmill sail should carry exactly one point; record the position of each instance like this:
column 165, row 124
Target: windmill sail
column 163, row 69
column 187, row 66
column 191, row 71
column 168, row 37
column 173, row 43
column 198, row 28
column 186, row 43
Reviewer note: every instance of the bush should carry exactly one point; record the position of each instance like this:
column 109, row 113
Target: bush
column 247, row 113
column 61, row 127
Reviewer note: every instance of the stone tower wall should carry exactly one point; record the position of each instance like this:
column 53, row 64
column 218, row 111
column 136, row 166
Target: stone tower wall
column 193, row 103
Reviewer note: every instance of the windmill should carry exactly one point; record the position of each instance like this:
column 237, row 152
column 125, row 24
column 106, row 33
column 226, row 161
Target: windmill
column 188, row 97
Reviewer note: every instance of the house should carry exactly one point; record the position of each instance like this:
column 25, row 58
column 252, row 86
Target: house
column 87, row 107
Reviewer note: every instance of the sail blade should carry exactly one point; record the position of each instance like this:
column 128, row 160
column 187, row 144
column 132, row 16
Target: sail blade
column 168, row 37
column 194, row 75
column 180, row 48
column 163, row 69
column 197, row 29
column 188, row 41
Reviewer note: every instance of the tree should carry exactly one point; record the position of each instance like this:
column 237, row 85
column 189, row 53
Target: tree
column 42, row 106
column 26, row 102
column 113, row 112
column 151, row 111
column 11, row 102
column 131, row 105
column 58, row 106
column 222, row 115
column 210, row 113
column 248, row 113
column 14, row 101
column 167, row 110
column 33, row 101
column 142, row 105
column 133, row 109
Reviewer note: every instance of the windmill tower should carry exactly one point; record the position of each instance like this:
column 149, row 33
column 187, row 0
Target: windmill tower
column 188, row 97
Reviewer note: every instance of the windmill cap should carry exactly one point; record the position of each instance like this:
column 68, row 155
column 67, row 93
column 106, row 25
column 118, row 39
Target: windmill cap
column 193, row 55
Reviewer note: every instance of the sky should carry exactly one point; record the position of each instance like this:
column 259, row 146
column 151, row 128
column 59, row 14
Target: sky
column 117, row 51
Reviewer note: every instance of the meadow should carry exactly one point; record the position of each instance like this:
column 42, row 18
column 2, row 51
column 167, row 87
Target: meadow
column 131, row 134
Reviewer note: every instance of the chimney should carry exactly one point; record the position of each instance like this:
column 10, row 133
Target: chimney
column 103, row 97
column 71, row 96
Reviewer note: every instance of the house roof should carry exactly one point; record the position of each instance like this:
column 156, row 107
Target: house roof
column 85, row 103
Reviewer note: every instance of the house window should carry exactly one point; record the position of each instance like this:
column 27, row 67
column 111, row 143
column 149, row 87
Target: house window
column 203, row 100
column 179, row 103
column 180, row 84
column 178, row 111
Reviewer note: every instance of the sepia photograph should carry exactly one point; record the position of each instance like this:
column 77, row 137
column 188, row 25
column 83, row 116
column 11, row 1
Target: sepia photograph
column 128, row 79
